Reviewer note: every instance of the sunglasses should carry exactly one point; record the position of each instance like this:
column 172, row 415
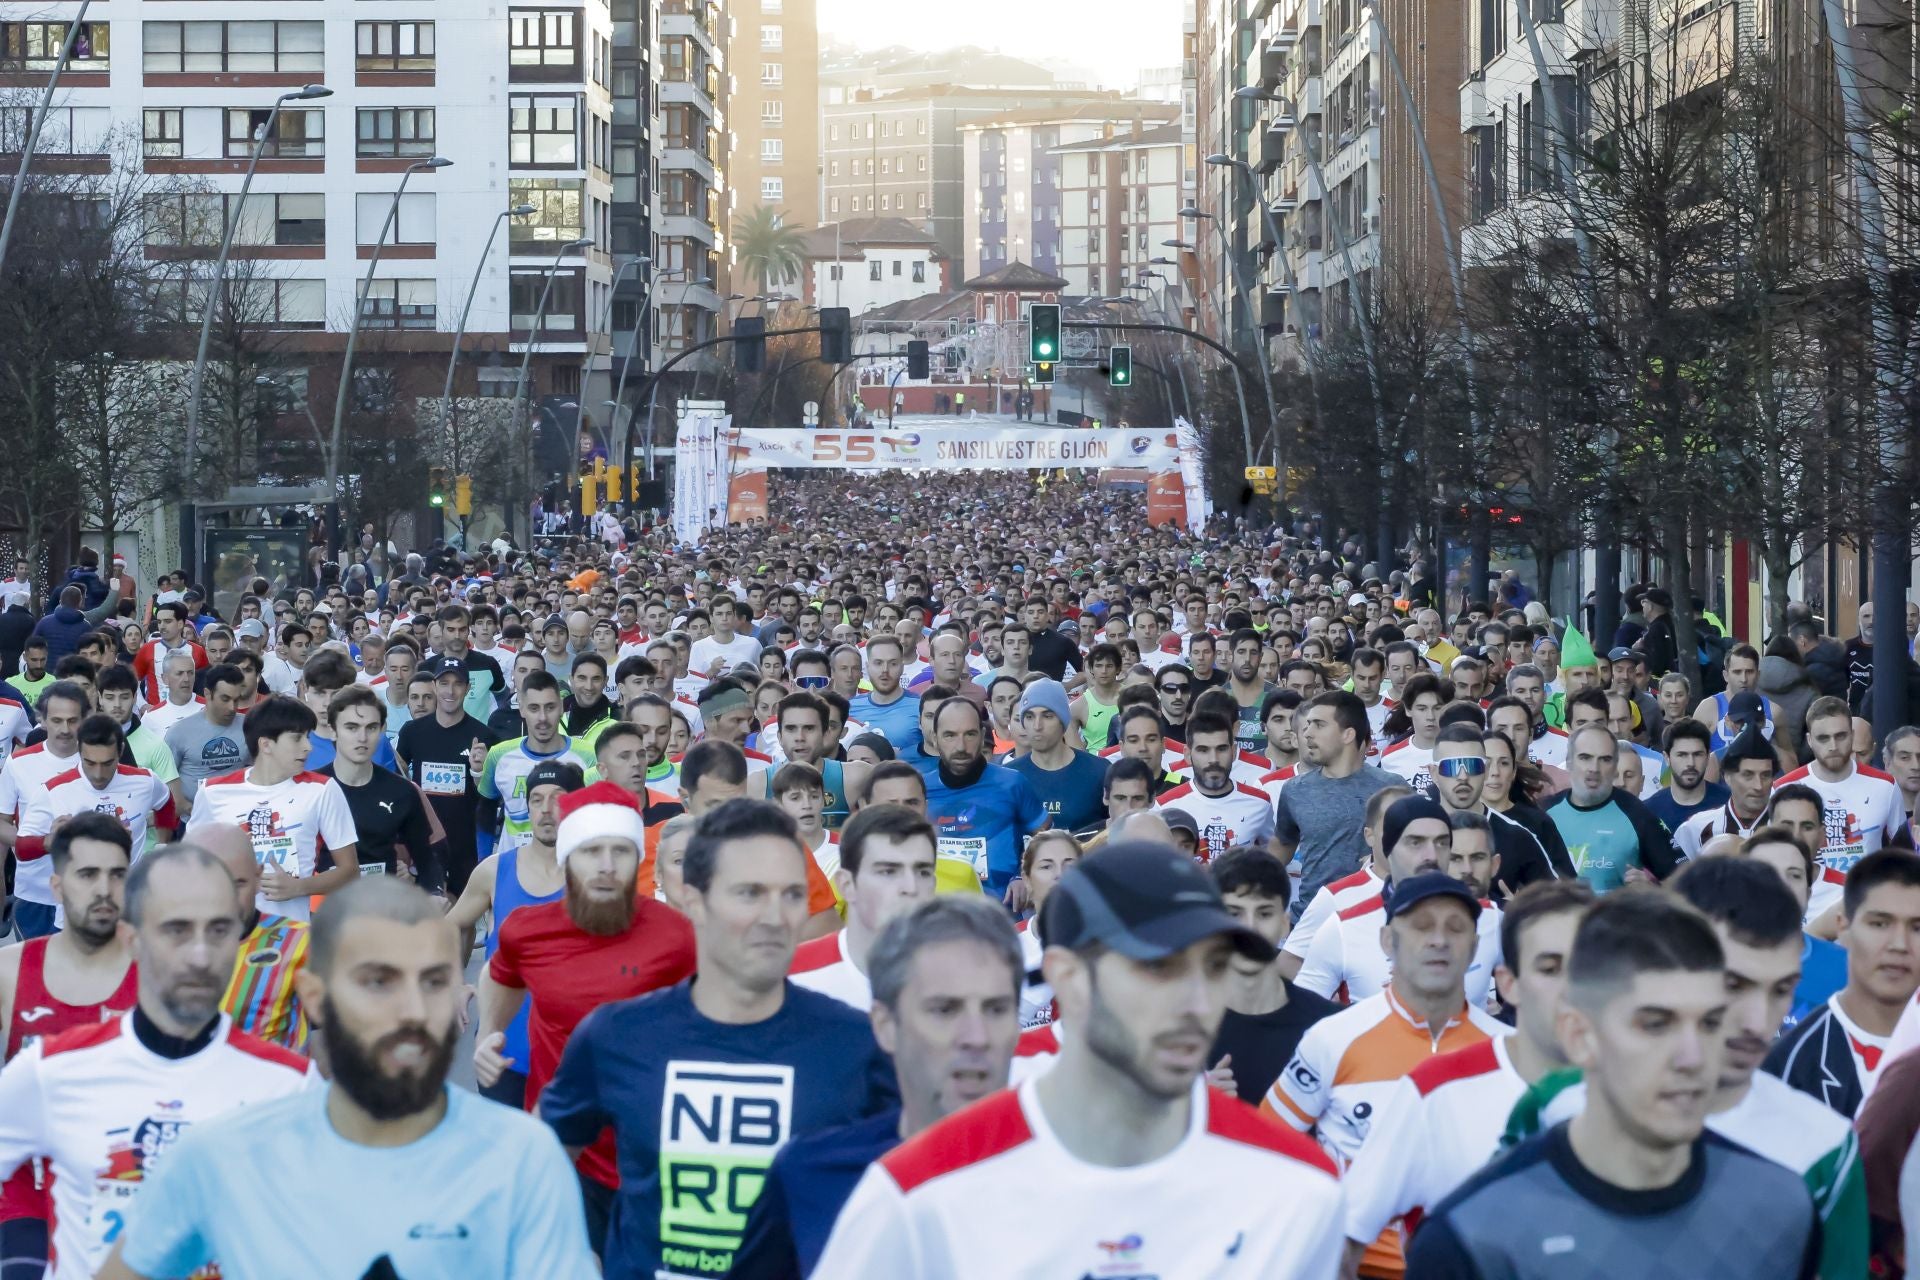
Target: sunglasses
column 1461, row 767
column 1175, row 688
column 811, row 682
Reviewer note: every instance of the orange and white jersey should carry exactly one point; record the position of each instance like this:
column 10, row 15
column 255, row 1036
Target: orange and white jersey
column 1244, row 815
column 1439, row 1126
column 1346, row 954
column 1238, row 1197
column 1349, row 1066
column 1863, row 813
column 1329, row 901
column 1414, row 763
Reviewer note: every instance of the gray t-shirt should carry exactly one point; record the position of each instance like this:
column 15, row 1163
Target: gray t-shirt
column 201, row 749
column 1323, row 817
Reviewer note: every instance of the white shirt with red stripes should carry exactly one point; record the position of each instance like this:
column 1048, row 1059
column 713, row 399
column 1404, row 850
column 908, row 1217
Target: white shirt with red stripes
column 1327, row 903
column 1036, row 993
column 1414, row 763
column 167, row 714
column 24, row 779
column 1346, row 953
column 823, row 965
column 133, row 797
column 287, row 822
column 1863, row 814
column 15, row 725
column 1239, row 1197
column 1244, row 815
column 1034, row 1053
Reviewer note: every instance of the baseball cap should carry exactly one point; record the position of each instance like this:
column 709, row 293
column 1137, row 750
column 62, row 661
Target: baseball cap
column 1621, row 653
column 1358, row 598
column 1145, row 900
column 1409, row 893
column 253, row 628
column 1180, row 820
column 447, row 665
column 1746, row 707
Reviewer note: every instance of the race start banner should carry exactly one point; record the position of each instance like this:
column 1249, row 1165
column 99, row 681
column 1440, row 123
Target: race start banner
column 959, row 449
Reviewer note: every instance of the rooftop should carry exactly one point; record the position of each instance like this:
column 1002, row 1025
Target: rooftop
column 1017, row 276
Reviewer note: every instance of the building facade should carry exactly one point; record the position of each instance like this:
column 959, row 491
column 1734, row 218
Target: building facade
column 775, row 109
column 693, row 211
column 1120, row 198
column 864, row 264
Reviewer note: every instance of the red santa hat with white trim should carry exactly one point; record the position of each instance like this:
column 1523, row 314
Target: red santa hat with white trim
column 601, row 811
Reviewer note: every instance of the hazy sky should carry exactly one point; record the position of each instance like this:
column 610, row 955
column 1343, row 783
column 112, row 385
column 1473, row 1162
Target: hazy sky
column 1111, row 38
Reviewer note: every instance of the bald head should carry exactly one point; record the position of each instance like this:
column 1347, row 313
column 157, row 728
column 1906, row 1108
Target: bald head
column 1143, row 824
column 228, row 841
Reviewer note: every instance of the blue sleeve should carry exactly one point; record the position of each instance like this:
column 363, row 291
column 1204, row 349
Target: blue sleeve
column 767, row 1250
column 571, row 1101
column 164, row 1230
column 384, row 757
column 550, row 1222
column 1032, row 814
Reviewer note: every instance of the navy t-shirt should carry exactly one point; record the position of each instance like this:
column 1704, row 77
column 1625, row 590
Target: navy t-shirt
column 699, row 1109
column 1673, row 813
column 1071, row 796
column 811, row 1181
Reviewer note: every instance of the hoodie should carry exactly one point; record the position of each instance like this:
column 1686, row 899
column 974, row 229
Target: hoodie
column 1826, row 665
column 1791, row 691
column 62, row 629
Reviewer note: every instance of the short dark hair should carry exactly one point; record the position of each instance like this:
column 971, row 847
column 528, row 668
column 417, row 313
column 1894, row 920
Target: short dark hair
column 115, row 677
column 276, row 715
column 1538, row 900
column 947, row 918
column 87, row 825
column 1288, row 699
column 797, row 775
column 1462, row 733
column 1689, row 729
column 327, row 671
column 804, row 700
column 1780, row 835
column 99, row 730
column 1349, row 712
column 1142, row 711
column 884, row 822
column 634, row 665
column 224, row 673
column 1633, row 931
column 614, row 732
column 735, row 820
column 74, row 666
column 1794, row 792
column 1889, row 866
column 541, row 681
column 887, row 771
column 1247, row 868
column 1748, row 897
column 590, row 660
column 1592, row 700
column 1126, row 769
column 1208, row 722
column 711, row 756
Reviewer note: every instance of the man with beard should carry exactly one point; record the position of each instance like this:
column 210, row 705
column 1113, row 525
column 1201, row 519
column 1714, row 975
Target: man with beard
column 80, row 976
column 398, row 1174
column 1249, row 691
column 1227, row 813
column 104, row 1104
column 599, row 943
column 983, row 812
column 946, row 994
column 777, row 1060
column 1688, row 747
column 1122, row 1127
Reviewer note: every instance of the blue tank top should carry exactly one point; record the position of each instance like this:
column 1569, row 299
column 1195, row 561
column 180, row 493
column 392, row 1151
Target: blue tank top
column 509, row 897
column 1721, row 738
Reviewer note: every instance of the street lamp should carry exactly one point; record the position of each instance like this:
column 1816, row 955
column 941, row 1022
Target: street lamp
column 196, row 389
column 353, row 331
column 1246, row 294
column 534, row 326
column 32, row 141
column 460, row 330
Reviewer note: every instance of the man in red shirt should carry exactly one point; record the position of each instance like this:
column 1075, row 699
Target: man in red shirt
column 600, row 943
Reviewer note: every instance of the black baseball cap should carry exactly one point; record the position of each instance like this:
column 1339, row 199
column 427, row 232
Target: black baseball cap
column 445, row 665
column 1146, row 901
column 1407, row 894
column 555, row 773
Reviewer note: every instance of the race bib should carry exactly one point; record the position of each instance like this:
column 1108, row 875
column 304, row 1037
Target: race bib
column 373, row 868
column 971, row 850
column 443, row 778
column 277, row 853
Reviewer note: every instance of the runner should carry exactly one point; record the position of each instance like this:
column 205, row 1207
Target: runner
column 1319, row 817
column 1065, row 780
column 1685, row 744
column 503, row 776
column 23, row 781
column 1121, row 1128
column 443, row 755
column 1862, row 807
column 886, row 869
column 103, row 1104
column 178, row 700
column 1610, row 835
column 888, row 709
column 1227, row 813
column 741, row 1039
column 1414, row 726
column 387, row 810
column 397, row 1166
column 170, row 636
column 1823, row 964
column 1340, row 894
column 982, row 811
column 1748, row 768
column 1460, row 777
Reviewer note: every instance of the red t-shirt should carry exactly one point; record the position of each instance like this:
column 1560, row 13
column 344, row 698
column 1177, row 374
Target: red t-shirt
column 568, row 973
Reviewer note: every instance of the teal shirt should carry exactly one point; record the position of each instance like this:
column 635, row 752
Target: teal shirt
column 1606, row 840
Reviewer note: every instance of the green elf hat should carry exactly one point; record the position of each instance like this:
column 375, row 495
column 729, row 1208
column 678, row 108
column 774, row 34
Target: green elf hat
column 1575, row 651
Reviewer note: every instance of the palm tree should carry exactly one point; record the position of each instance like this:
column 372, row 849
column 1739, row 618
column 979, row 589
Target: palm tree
column 769, row 248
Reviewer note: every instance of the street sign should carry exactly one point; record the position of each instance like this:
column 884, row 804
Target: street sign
column 811, row 408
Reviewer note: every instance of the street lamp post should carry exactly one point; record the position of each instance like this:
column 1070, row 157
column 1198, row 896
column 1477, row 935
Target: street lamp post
column 353, row 338
column 534, row 326
column 31, row 142
column 460, row 330
column 653, row 392
column 1246, row 293
column 196, row 388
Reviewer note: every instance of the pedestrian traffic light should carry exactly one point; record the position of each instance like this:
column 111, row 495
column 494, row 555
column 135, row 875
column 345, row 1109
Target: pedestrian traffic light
column 436, row 486
column 749, row 344
column 918, row 365
column 1044, row 327
column 463, row 495
column 1120, row 366
column 1043, row 373
column 836, row 335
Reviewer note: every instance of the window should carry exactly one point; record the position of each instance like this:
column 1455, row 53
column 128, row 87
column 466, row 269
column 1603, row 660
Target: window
column 919, row 273
column 495, row 382
column 559, row 210
column 296, row 134
column 160, row 133
column 923, row 200
column 392, row 46
column 833, row 168
column 920, row 164
column 773, row 113
column 287, row 304
column 394, row 131
column 833, row 133
column 771, row 74
column 772, row 150
column 873, row 271
column 35, row 46
column 772, row 6
column 397, row 304
column 64, row 131
column 896, row 267
column 200, row 219
column 772, row 38
column 833, row 204
column 179, row 47
column 563, row 302
column 414, row 225
column 543, row 131
column 543, row 38
column 773, row 190
column 920, row 127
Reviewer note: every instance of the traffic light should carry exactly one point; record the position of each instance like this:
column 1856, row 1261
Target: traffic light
column 1120, row 366
column 613, row 477
column 463, row 495
column 836, row 335
column 1043, row 373
column 749, row 347
column 635, row 474
column 918, row 365
column 436, row 486
column 590, row 487
column 1044, row 328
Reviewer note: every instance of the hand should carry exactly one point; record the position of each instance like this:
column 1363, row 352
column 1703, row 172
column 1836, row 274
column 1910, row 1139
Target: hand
column 464, row 1010
column 404, row 871
column 1018, row 898
column 488, row 1062
column 1637, row 875
column 277, row 886
column 476, row 756
column 60, row 822
column 1220, row 1075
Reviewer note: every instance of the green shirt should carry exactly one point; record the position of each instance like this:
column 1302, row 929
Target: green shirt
column 30, row 690
column 504, row 778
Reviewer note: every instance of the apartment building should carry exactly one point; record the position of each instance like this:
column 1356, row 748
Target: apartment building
column 775, row 109
column 1120, row 198
column 694, row 196
column 864, row 264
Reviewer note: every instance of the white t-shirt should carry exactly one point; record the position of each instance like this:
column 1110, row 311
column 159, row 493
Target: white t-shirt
column 102, row 1109
column 14, row 727
column 25, row 777
column 132, row 798
column 1414, row 763
column 707, row 652
column 1347, row 952
column 1244, row 815
column 286, row 821
column 1238, row 1198
column 279, row 675
column 1863, row 813
column 1329, row 901
column 168, row 714
column 823, row 965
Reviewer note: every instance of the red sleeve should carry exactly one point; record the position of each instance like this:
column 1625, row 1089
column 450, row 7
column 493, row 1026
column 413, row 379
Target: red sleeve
column 27, row 848
column 166, row 817
column 143, row 662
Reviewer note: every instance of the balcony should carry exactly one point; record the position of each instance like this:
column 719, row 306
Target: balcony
column 683, row 219
column 688, row 18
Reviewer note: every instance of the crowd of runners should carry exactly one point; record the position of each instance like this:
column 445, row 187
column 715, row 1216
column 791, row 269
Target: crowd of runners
column 954, row 876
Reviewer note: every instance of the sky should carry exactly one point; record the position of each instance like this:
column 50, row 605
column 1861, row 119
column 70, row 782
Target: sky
column 1111, row 38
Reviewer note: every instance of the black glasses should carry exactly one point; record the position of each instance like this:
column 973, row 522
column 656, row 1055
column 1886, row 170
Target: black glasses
column 1182, row 687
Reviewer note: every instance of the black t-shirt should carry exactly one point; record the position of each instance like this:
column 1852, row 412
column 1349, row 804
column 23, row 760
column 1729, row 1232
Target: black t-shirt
column 1262, row 1044
column 506, row 723
column 387, row 811
column 436, row 758
column 1052, row 652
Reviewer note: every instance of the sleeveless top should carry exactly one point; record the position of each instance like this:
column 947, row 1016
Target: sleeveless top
column 1721, row 738
column 508, row 897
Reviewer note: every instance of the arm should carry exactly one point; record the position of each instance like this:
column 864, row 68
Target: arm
column 276, row 886
column 104, row 610
column 427, row 854
column 499, row 1004
column 475, row 901
column 1324, row 967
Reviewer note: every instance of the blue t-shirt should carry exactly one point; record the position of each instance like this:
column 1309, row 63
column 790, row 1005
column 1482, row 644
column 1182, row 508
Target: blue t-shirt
column 1071, row 796
column 1823, row 971
column 274, row 1190
column 897, row 721
column 1673, row 813
column 987, row 823
column 809, row 1184
column 699, row 1109
column 321, row 753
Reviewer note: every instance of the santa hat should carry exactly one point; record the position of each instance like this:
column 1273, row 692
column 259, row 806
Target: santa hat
column 598, row 812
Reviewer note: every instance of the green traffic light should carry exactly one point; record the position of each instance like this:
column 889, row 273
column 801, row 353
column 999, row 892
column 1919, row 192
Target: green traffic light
column 1046, row 348
column 437, row 500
